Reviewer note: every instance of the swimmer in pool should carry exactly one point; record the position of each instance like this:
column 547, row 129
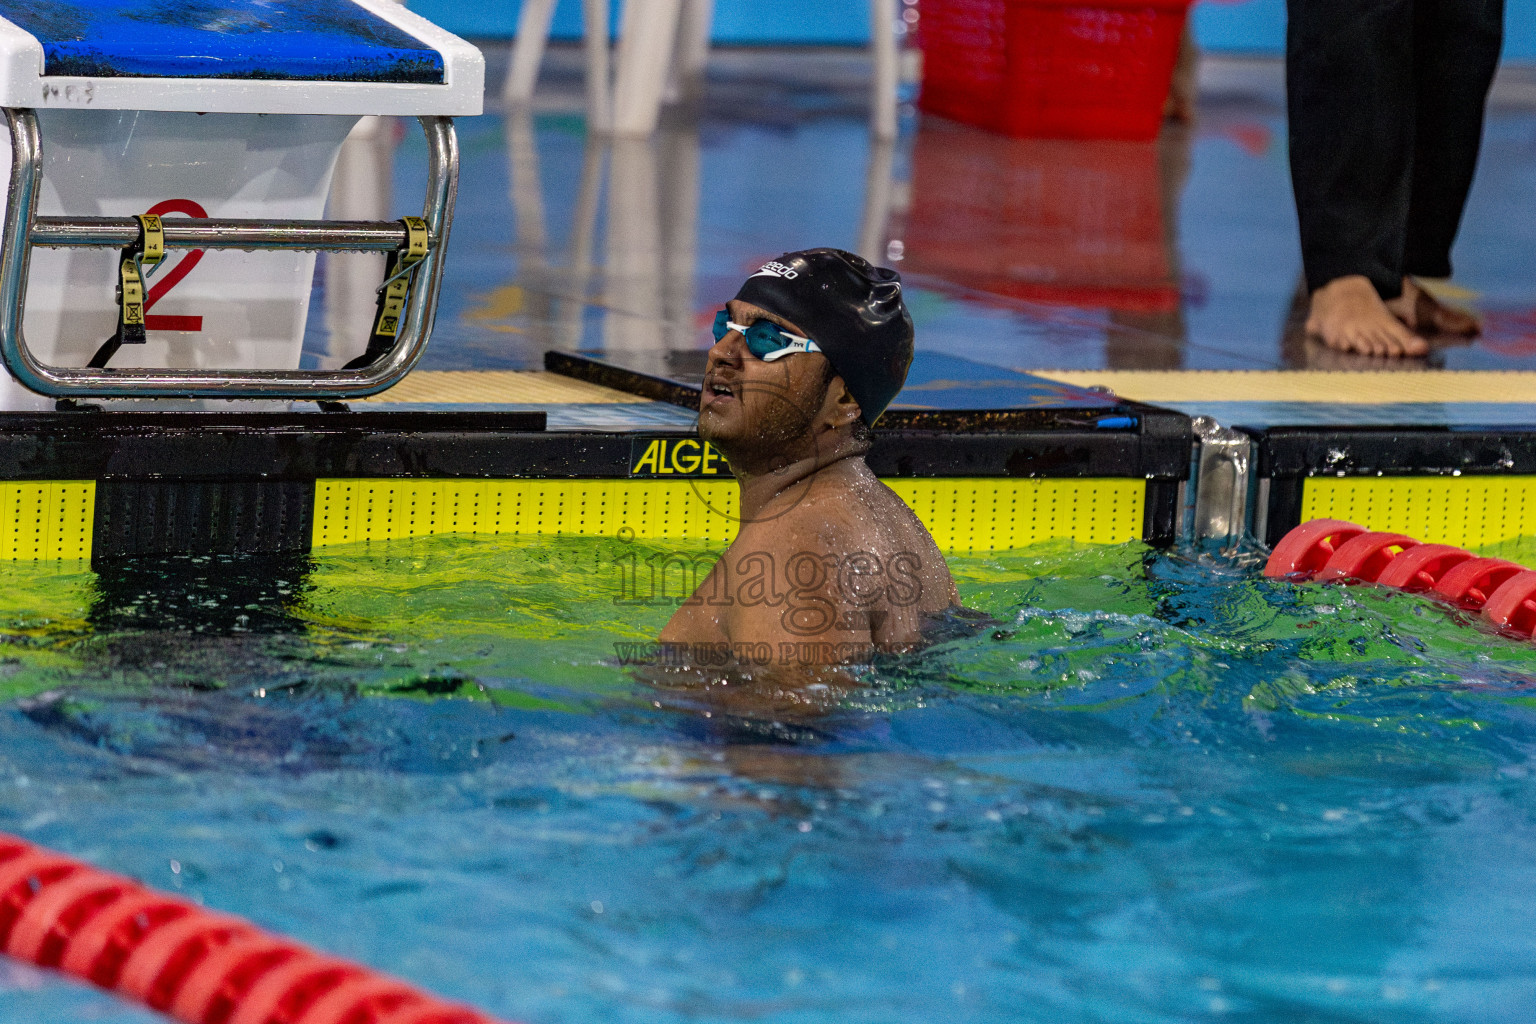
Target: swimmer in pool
column 829, row 565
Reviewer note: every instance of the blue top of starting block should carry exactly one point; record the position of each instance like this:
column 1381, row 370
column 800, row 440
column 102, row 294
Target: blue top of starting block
column 308, row 40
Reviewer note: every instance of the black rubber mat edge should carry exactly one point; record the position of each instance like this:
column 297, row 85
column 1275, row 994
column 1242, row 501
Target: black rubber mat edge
column 161, row 517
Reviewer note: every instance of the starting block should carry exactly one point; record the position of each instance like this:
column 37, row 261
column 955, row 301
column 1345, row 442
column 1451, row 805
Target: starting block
column 170, row 164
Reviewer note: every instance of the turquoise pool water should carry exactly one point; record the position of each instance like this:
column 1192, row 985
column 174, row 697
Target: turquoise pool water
column 1161, row 790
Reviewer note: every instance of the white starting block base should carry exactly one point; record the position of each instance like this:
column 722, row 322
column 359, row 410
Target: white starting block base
column 253, row 305
column 261, row 148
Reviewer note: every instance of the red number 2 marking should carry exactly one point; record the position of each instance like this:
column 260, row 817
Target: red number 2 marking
column 175, row 275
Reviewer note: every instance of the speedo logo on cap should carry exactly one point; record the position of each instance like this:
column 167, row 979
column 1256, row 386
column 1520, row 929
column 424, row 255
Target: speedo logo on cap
column 777, row 269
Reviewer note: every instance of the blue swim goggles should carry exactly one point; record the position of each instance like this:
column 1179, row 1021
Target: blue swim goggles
column 764, row 338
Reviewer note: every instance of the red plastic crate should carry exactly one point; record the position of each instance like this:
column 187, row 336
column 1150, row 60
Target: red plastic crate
column 1046, row 220
column 1060, row 69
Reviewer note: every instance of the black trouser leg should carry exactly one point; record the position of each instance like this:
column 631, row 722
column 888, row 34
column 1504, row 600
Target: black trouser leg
column 1350, row 89
column 1456, row 51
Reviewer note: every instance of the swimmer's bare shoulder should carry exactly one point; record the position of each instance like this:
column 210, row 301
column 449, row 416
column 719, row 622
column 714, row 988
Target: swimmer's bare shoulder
column 920, row 585
column 846, row 565
column 884, row 569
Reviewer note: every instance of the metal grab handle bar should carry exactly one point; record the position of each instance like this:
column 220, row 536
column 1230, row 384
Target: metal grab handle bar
column 228, row 233
column 24, row 229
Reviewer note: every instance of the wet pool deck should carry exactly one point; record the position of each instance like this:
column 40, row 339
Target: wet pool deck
column 1167, row 271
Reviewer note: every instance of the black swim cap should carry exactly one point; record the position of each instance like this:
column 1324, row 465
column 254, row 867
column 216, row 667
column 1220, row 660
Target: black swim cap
column 851, row 309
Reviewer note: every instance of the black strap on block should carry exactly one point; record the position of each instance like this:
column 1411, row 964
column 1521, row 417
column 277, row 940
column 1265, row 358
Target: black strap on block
column 148, row 248
column 399, row 274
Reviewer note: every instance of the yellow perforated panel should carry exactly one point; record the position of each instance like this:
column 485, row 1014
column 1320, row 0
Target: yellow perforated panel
column 349, row 510
column 994, row 514
column 46, row 520
column 976, row 514
column 1468, row 511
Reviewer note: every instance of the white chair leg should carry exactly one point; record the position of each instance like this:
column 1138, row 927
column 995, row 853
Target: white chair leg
column 879, row 193
column 678, row 184
column 645, row 59
column 528, row 50
column 528, row 216
column 589, row 194
column 633, row 311
column 527, row 186
column 882, row 42
column 594, row 15
column 696, row 20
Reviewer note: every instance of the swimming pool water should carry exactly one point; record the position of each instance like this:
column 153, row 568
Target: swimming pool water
column 1161, row 789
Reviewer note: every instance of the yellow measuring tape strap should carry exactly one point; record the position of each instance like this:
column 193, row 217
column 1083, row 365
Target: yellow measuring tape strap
column 415, row 240
column 130, row 287
column 149, row 248
column 402, row 266
column 151, row 238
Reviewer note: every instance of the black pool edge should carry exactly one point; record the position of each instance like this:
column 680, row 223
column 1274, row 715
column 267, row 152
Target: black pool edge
column 1289, row 456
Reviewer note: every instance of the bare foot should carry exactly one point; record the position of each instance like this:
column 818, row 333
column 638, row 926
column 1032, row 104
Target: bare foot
column 1317, row 356
column 1348, row 315
column 1426, row 314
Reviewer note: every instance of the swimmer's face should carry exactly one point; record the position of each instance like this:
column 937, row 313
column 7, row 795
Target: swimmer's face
column 750, row 409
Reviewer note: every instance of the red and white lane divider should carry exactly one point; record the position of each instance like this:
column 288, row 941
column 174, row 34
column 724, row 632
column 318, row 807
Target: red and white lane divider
column 1501, row 591
column 173, row 956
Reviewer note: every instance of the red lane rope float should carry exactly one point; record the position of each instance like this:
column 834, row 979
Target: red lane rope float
column 1330, row 549
column 1513, row 605
column 1420, row 568
column 1363, row 556
column 1307, row 548
column 174, row 956
column 1468, row 584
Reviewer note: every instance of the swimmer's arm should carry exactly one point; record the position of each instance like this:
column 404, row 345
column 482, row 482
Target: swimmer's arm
column 800, row 636
column 812, row 623
column 921, row 587
column 699, row 619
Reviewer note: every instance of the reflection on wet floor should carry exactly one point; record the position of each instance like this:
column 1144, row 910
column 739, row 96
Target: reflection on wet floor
column 1061, row 223
column 1021, row 254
